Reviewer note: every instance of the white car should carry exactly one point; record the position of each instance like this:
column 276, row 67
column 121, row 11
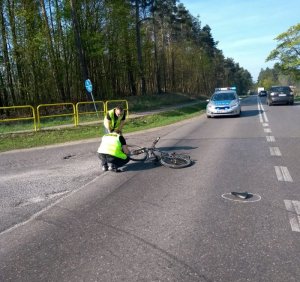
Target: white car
column 224, row 103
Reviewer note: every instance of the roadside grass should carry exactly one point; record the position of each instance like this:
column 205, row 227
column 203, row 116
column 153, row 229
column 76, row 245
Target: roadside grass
column 21, row 134
column 153, row 102
column 135, row 105
column 21, row 140
column 14, row 127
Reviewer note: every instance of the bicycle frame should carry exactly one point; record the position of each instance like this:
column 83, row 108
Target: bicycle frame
column 151, row 151
column 172, row 160
column 151, row 154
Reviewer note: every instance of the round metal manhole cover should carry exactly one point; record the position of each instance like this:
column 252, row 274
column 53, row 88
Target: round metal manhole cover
column 242, row 197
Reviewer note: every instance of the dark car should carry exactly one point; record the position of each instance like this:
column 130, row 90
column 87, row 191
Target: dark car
column 262, row 93
column 280, row 95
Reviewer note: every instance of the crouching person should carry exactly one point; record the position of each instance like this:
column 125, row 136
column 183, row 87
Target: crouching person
column 113, row 152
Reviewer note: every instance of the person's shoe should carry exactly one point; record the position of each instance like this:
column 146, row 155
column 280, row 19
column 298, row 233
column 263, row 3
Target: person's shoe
column 114, row 169
column 104, row 168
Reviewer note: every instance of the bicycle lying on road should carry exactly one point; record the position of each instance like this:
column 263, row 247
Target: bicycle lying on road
column 172, row 160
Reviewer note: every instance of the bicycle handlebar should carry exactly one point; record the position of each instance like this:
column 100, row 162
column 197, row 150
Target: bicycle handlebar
column 155, row 142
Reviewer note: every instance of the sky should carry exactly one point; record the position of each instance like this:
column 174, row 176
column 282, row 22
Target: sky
column 246, row 29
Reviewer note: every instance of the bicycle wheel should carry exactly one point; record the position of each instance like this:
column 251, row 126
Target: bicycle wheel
column 137, row 153
column 175, row 161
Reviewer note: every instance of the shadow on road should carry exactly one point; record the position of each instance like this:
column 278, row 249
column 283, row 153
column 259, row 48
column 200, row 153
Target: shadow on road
column 244, row 114
column 177, row 148
column 249, row 113
column 151, row 163
column 138, row 166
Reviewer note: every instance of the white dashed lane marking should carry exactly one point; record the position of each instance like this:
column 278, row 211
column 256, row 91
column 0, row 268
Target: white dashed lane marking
column 293, row 208
column 270, row 138
column 274, row 151
column 283, row 174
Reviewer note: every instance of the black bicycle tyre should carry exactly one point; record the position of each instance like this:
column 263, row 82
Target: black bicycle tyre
column 140, row 157
column 176, row 161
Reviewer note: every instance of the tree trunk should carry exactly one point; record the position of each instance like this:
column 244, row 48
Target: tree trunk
column 139, row 46
column 6, row 61
column 19, row 78
column 62, row 46
column 83, row 66
column 53, row 60
column 157, row 64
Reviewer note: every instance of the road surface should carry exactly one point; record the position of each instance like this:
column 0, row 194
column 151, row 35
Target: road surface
column 62, row 219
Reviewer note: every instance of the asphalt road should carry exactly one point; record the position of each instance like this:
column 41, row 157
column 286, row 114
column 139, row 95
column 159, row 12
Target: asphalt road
column 62, row 219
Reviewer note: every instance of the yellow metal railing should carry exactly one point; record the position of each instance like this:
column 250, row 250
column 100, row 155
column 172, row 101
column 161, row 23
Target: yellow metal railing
column 73, row 114
column 33, row 117
column 79, row 113
column 75, row 111
column 115, row 103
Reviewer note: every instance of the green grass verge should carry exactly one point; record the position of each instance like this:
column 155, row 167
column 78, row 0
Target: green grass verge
column 12, row 141
column 152, row 102
column 135, row 104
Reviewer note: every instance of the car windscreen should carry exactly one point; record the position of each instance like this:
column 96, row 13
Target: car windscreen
column 228, row 96
column 281, row 89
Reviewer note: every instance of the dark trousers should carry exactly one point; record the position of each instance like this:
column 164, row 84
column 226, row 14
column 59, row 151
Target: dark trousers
column 109, row 159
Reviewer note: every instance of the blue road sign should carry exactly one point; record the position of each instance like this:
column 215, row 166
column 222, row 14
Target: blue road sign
column 88, row 86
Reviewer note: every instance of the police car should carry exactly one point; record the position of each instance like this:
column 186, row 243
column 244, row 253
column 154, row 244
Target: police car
column 224, row 102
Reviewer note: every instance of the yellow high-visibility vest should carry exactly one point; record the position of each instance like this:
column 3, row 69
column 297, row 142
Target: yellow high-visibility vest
column 111, row 145
column 114, row 123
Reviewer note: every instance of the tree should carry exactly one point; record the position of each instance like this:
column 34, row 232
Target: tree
column 126, row 47
column 142, row 10
column 268, row 77
column 83, row 65
column 6, row 59
column 287, row 51
column 53, row 58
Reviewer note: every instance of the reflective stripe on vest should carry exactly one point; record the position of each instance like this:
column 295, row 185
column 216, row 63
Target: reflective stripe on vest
column 111, row 145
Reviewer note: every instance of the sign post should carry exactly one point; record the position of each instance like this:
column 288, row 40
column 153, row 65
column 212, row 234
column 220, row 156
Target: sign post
column 89, row 88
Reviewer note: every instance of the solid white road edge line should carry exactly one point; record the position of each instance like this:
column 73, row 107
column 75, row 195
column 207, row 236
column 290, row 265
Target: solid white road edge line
column 262, row 113
column 259, row 112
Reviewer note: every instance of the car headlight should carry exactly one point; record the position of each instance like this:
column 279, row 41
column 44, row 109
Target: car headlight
column 210, row 106
column 272, row 94
column 235, row 104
